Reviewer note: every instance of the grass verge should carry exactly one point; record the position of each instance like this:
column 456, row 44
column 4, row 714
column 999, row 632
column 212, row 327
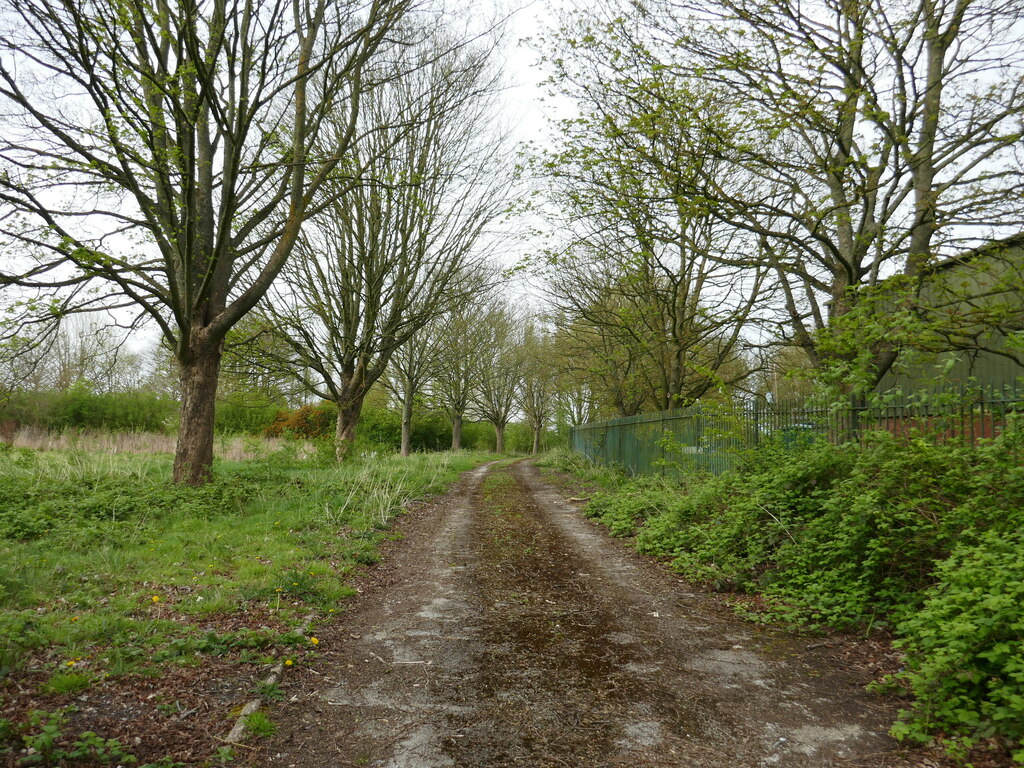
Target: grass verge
column 114, row 583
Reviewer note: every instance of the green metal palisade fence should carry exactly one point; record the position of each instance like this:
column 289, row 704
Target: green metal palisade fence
column 714, row 437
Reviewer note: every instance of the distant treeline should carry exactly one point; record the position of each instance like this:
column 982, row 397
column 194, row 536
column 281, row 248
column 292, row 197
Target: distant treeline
column 380, row 427
column 79, row 407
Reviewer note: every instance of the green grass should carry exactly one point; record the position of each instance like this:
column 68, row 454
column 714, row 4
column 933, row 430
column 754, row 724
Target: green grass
column 105, row 566
column 68, row 682
column 566, row 461
column 258, row 724
column 496, row 489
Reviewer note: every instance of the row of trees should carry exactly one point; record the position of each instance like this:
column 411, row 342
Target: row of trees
column 312, row 181
column 477, row 358
column 481, row 360
column 751, row 184
column 313, row 190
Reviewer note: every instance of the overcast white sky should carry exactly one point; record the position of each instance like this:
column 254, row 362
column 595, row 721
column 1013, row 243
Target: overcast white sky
column 527, row 112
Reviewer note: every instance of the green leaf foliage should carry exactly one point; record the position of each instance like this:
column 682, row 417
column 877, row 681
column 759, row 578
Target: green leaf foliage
column 921, row 537
column 965, row 647
column 81, row 408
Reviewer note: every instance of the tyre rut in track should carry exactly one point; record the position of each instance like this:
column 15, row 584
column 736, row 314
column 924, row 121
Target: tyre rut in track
column 514, row 633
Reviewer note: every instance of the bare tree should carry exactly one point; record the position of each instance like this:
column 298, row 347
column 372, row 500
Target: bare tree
column 500, row 369
column 433, row 356
column 163, row 157
column 577, row 395
column 537, row 383
column 413, row 365
column 77, row 348
column 462, row 342
column 396, row 250
column 86, row 350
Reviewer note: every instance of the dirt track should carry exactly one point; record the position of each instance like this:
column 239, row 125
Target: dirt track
column 506, row 630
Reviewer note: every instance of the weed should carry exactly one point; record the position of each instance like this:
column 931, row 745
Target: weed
column 269, row 692
column 222, row 756
column 258, row 724
column 90, row 747
column 44, row 742
column 169, row 708
column 68, row 682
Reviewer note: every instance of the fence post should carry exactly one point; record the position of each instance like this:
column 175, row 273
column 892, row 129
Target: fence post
column 661, row 444
column 856, row 403
column 757, row 423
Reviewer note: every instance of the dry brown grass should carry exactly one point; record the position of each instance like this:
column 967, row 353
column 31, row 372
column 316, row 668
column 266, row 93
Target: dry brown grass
column 235, row 448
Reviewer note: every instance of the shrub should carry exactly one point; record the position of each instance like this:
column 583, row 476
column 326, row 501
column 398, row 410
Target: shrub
column 625, row 510
column 431, row 431
column 81, row 408
column 707, row 530
column 252, row 417
column 379, row 429
column 309, row 421
column 921, row 536
column 965, row 648
column 871, row 545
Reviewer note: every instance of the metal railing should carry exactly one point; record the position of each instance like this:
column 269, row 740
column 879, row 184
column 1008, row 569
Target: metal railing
column 715, row 437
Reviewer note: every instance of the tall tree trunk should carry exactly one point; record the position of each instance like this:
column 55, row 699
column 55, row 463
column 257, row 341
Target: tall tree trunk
column 457, row 432
column 536, row 440
column 407, row 421
column 345, row 428
column 193, row 458
column 499, row 438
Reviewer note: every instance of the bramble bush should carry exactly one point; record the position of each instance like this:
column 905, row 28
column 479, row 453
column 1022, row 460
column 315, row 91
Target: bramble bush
column 965, row 648
column 309, row 421
column 899, row 532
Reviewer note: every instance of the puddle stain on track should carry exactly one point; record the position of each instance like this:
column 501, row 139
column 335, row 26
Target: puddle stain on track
column 513, row 633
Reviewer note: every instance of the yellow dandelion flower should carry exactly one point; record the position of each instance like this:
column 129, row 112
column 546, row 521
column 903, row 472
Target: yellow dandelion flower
column 71, row 663
column 288, row 662
column 314, row 641
column 156, row 598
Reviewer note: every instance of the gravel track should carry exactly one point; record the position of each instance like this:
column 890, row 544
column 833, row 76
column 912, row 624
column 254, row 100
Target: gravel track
column 506, row 630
